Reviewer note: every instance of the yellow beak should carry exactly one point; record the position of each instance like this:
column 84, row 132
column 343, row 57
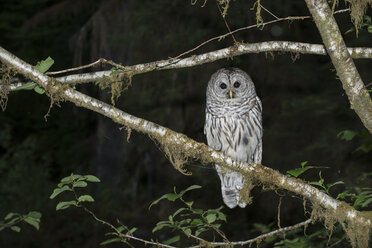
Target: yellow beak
column 231, row 94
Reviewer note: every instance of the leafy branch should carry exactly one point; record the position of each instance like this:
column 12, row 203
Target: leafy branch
column 12, row 219
column 69, row 184
column 191, row 221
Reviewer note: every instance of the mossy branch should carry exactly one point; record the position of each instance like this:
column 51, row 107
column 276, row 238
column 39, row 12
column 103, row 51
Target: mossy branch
column 352, row 83
column 228, row 52
column 325, row 206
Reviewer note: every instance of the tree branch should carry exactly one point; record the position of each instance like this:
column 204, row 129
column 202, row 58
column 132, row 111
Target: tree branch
column 186, row 147
column 352, row 83
column 236, row 50
column 263, row 236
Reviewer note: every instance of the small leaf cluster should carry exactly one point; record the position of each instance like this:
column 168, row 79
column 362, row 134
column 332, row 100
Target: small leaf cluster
column 360, row 197
column 189, row 220
column 116, row 237
column 42, row 66
column 364, row 138
column 70, row 183
column 320, row 183
column 12, row 219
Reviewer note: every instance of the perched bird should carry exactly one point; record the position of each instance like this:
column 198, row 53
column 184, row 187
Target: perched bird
column 233, row 126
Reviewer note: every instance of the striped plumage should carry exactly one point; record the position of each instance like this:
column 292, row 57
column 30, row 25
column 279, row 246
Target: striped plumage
column 233, row 125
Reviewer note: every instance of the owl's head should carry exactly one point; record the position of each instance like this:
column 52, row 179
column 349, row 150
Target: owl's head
column 230, row 84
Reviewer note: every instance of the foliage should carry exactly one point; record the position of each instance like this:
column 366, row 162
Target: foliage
column 12, row 219
column 70, row 183
column 190, row 221
column 42, row 66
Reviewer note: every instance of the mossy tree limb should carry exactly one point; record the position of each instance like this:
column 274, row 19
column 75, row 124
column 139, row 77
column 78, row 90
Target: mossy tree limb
column 228, row 52
column 352, row 83
column 183, row 146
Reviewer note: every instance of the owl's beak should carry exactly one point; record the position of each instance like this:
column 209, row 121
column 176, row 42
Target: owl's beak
column 231, row 94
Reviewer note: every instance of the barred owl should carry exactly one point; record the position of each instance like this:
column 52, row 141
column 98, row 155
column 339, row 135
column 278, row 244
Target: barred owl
column 233, row 126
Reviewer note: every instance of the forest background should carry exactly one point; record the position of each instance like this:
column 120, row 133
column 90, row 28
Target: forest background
column 304, row 111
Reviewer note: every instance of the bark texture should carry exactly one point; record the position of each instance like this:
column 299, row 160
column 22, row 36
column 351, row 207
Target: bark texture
column 352, row 83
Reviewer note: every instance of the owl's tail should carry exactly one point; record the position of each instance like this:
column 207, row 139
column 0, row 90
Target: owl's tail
column 231, row 184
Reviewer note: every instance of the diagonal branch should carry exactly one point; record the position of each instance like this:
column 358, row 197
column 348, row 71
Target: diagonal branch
column 352, row 83
column 327, row 206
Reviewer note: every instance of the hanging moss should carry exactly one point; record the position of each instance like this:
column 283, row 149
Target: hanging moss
column 117, row 82
column 358, row 234
column 7, row 75
column 245, row 192
column 358, row 9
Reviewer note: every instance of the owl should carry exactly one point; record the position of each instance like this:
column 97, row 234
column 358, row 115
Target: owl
column 233, row 126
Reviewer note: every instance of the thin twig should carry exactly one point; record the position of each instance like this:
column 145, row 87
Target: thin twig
column 121, row 235
column 98, row 62
column 289, row 18
column 263, row 236
column 227, row 25
column 337, row 242
column 268, row 11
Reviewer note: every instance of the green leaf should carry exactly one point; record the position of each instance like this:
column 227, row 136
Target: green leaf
column 179, row 211
column 317, row 183
column 211, row 218
column 187, row 231
column 85, row 198
column 366, row 203
column 34, row 214
column 110, row 241
column 347, row 135
column 189, row 204
column 58, row 191
column 221, row 216
column 198, row 211
column 15, row 228
column 172, row 240
column 65, row 204
column 92, row 179
column 192, row 187
column 199, row 231
column 44, row 65
column 33, row 222
column 14, row 220
column 71, row 178
column 131, row 231
column 27, row 86
column 304, row 163
column 298, row 171
column 196, row 222
column 170, row 197
column 80, row 184
column 10, row 215
column 160, row 225
column 39, row 90
column 330, row 185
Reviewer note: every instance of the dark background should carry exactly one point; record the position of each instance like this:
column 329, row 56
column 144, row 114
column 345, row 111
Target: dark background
column 304, row 108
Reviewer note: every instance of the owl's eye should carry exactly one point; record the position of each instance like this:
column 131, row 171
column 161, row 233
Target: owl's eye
column 223, row 86
column 236, row 84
